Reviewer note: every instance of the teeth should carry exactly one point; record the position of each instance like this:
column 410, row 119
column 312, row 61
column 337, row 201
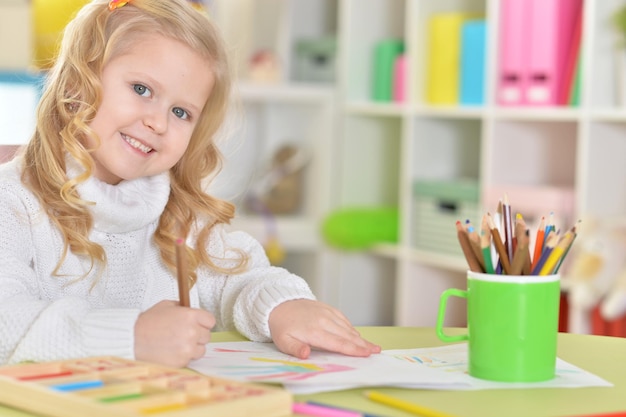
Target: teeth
column 136, row 144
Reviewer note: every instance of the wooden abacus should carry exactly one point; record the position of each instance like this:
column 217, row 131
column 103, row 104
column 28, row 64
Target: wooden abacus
column 111, row 386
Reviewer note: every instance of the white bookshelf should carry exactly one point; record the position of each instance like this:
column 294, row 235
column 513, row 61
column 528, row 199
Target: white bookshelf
column 272, row 114
column 370, row 153
column 584, row 146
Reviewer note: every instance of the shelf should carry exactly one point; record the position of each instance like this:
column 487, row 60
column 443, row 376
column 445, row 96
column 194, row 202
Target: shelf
column 538, row 113
column 570, row 158
column 378, row 150
column 432, row 259
column 285, row 92
column 609, row 115
column 457, row 112
column 294, row 233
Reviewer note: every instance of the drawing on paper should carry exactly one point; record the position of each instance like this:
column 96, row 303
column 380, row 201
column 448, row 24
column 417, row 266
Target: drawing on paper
column 258, row 365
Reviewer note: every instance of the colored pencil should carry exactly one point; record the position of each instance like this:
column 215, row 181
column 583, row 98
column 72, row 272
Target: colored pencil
column 609, row 414
column 551, row 242
column 497, row 220
column 523, row 233
column 556, row 254
column 539, row 241
column 497, row 242
column 361, row 413
column 322, row 411
column 485, row 244
column 466, row 247
column 508, row 226
column 549, row 227
column 181, row 273
column 486, row 249
column 403, row 405
column 474, row 239
column 497, row 217
column 560, row 262
column 521, row 255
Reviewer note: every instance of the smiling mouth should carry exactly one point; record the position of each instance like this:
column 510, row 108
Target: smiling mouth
column 136, row 144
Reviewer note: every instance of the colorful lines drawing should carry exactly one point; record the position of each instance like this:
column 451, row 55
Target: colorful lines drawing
column 257, row 365
column 435, row 362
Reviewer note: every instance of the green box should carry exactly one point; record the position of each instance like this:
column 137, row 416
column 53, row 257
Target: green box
column 315, row 59
column 438, row 204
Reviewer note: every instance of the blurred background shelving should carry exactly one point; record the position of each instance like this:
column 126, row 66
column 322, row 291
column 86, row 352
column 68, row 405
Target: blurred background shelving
column 366, row 152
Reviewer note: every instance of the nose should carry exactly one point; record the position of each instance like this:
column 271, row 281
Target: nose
column 156, row 120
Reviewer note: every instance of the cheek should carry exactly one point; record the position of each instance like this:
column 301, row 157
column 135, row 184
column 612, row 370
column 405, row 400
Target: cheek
column 178, row 148
column 105, row 118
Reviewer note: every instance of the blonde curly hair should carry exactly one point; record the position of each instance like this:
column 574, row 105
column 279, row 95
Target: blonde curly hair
column 71, row 99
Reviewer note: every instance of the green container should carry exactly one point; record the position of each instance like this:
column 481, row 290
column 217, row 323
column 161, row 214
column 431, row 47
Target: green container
column 512, row 326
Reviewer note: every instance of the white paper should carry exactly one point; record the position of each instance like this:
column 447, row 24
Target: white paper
column 452, row 359
column 441, row 368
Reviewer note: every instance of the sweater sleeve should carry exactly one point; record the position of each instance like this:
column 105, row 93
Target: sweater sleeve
column 244, row 301
column 34, row 325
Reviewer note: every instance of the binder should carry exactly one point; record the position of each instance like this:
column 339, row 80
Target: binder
column 513, row 51
column 552, row 27
column 400, row 73
column 574, row 94
column 570, row 70
column 444, row 41
column 385, row 54
column 472, row 83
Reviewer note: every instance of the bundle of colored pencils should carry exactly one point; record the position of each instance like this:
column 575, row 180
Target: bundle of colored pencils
column 507, row 242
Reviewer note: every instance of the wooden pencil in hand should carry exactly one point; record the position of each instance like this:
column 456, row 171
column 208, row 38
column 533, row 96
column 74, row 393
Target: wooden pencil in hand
column 181, row 273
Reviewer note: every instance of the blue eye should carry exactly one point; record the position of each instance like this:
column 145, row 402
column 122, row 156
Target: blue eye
column 142, row 90
column 180, row 113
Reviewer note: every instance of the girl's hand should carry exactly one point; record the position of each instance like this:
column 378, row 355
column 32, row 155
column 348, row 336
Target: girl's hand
column 297, row 326
column 172, row 335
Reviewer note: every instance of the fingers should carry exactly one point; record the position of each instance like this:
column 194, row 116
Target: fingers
column 204, row 318
column 198, row 352
column 204, row 338
column 351, row 346
column 172, row 335
column 297, row 326
column 344, row 338
column 294, row 347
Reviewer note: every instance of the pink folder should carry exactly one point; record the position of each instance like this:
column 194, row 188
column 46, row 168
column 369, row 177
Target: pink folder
column 551, row 27
column 513, row 52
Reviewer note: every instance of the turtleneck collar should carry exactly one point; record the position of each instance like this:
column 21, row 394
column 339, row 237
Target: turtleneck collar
column 124, row 207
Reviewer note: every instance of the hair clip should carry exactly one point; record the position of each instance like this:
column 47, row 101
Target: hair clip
column 116, row 4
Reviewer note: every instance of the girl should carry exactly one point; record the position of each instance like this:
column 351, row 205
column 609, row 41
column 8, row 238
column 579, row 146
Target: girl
column 111, row 178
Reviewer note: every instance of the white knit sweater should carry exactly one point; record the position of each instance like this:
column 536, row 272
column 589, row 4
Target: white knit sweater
column 45, row 317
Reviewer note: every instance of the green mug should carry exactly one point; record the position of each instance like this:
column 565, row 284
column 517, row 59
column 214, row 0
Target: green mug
column 512, row 325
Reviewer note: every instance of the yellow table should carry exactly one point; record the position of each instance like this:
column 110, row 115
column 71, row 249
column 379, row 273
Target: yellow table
column 603, row 356
column 600, row 355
